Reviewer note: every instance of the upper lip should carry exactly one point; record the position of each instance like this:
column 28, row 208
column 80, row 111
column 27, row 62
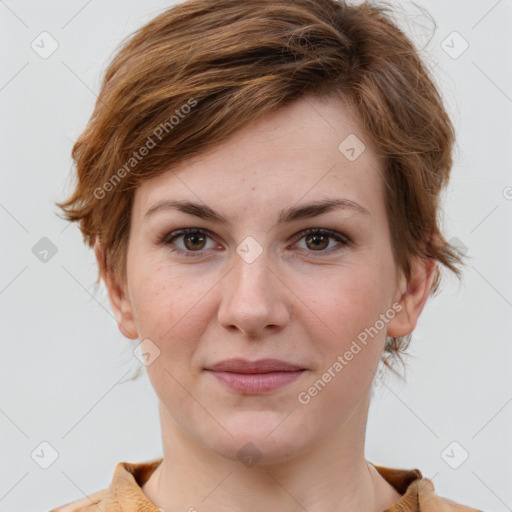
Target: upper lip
column 238, row 365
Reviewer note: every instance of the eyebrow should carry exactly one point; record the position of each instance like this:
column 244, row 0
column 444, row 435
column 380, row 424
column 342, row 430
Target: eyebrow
column 305, row 211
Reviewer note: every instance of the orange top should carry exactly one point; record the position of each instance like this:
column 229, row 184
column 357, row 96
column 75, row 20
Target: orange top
column 125, row 494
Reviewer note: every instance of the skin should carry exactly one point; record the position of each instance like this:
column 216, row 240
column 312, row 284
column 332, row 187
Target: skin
column 297, row 302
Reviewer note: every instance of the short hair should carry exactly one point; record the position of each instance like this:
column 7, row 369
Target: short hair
column 203, row 69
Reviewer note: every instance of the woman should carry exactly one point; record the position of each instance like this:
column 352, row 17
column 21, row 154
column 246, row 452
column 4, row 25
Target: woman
column 260, row 182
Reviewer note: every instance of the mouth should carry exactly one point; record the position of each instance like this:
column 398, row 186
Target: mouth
column 255, row 377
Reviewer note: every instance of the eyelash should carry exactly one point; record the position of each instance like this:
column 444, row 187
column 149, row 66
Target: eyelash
column 168, row 238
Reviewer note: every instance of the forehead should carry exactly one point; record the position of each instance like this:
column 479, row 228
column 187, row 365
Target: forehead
column 311, row 149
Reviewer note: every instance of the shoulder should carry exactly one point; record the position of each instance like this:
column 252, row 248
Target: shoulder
column 429, row 501
column 418, row 493
column 123, row 492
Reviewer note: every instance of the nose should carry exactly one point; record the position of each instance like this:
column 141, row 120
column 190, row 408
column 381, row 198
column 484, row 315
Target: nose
column 254, row 298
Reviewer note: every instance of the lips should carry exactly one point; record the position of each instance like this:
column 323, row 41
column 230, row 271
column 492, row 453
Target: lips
column 238, row 365
column 255, row 377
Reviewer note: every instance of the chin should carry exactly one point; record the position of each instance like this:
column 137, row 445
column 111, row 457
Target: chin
column 259, row 440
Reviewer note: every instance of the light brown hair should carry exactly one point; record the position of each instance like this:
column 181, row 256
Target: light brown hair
column 203, row 69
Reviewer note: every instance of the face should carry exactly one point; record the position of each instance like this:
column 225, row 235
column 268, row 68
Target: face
column 253, row 282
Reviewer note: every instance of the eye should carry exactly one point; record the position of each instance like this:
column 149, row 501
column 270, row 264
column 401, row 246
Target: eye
column 318, row 239
column 194, row 241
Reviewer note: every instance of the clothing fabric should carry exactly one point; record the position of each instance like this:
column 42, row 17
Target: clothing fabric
column 125, row 493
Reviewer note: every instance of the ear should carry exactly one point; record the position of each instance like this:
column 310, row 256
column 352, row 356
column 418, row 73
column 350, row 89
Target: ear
column 119, row 299
column 412, row 294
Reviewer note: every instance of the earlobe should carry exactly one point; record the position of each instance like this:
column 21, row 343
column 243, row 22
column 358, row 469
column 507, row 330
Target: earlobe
column 119, row 300
column 413, row 293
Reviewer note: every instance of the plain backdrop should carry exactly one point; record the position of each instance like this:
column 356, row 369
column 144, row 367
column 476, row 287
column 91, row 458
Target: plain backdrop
column 66, row 401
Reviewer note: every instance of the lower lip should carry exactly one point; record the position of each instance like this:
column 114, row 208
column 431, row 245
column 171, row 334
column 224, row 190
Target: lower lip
column 256, row 383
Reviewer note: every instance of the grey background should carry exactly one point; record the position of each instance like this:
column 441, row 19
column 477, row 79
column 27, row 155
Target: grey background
column 65, row 366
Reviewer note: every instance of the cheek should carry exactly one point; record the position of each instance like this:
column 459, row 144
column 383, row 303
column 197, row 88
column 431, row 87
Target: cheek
column 347, row 341
column 346, row 332
column 170, row 309
column 344, row 301
column 168, row 314
column 162, row 297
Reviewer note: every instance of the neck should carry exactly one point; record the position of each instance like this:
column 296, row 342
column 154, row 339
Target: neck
column 331, row 475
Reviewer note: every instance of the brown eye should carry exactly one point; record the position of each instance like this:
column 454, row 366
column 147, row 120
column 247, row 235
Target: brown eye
column 194, row 241
column 188, row 242
column 317, row 241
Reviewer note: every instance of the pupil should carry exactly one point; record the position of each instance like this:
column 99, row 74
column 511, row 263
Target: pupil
column 194, row 238
column 316, row 239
